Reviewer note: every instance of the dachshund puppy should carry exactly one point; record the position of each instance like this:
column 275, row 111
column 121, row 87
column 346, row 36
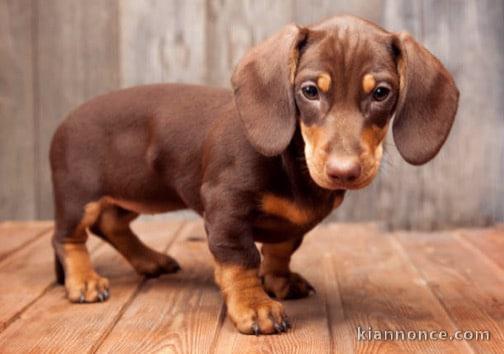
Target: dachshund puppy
column 265, row 162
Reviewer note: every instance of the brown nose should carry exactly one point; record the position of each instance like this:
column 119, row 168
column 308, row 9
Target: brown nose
column 343, row 169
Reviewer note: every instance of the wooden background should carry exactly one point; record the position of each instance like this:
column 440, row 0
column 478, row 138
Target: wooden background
column 54, row 54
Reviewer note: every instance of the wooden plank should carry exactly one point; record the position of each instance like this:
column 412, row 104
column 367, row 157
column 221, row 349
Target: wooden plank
column 178, row 314
column 53, row 322
column 26, row 275
column 379, row 289
column 15, row 235
column 489, row 241
column 77, row 58
column 309, row 318
column 162, row 41
column 317, row 10
column 235, row 26
column 17, row 191
column 467, row 284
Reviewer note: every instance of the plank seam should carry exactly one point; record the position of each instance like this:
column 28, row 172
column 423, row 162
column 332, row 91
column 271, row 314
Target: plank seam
column 49, row 287
column 37, row 236
column 329, row 319
column 394, row 241
column 132, row 297
column 18, row 314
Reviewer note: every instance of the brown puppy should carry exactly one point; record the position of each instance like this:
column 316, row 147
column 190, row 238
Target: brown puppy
column 265, row 162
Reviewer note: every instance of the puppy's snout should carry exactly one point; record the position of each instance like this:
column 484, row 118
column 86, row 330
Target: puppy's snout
column 343, row 169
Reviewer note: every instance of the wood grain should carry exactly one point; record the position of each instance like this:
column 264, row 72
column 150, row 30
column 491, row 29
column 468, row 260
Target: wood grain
column 59, row 53
column 468, row 286
column 28, row 274
column 363, row 276
column 235, row 26
column 379, row 289
column 488, row 241
column 176, row 314
column 308, row 317
column 17, row 134
column 15, row 235
column 52, row 321
column 77, row 58
column 162, row 41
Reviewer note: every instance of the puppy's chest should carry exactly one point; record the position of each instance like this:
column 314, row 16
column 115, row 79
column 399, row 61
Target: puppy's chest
column 299, row 213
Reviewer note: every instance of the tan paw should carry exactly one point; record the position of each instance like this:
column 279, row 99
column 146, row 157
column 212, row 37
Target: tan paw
column 258, row 315
column 87, row 288
column 155, row 266
column 289, row 286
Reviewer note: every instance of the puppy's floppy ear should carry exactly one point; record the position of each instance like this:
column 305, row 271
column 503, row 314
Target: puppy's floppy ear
column 427, row 104
column 263, row 88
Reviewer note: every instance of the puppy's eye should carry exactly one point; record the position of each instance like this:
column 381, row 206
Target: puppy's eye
column 310, row 92
column 381, row 93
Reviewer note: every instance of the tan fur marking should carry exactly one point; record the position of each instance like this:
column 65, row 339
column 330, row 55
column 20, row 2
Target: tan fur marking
column 119, row 234
column 338, row 200
column 246, row 301
column 139, row 207
column 276, row 257
column 314, row 136
column 368, row 83
column 373, row 136
column 286, row 209
column 91, row 213
column 82, row 283
column 324, row 82
column 276, row 274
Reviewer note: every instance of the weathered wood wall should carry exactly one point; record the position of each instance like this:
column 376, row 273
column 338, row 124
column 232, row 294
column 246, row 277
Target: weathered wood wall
column 56, row 53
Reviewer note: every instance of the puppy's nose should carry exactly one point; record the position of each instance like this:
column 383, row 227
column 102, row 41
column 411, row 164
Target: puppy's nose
column 343, row 169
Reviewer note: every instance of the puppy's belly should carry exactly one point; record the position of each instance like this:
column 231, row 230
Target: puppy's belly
column 274, row 230
column 143, row 207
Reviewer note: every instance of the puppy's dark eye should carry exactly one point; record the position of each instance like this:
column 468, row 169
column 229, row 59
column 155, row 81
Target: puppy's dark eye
column 310, row 92
column 381, row 93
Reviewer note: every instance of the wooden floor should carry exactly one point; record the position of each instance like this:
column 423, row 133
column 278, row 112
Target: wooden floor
column 364, row 278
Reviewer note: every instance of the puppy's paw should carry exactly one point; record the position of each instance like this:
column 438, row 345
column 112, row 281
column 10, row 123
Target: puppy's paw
column 156, row 266
column 289, row 286
column 258, row 315
column 86, row 288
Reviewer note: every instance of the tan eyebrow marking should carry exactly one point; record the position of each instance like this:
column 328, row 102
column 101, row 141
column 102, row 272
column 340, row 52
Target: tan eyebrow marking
column 368, row 83
column 324, row 82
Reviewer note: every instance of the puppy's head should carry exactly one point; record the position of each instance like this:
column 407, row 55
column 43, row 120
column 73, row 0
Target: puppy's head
column 342, row 81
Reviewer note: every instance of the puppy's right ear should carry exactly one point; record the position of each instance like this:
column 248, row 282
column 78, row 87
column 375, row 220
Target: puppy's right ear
column 263, row 88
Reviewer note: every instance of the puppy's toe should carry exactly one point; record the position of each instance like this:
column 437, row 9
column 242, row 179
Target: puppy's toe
column 153, row 268
column 263, row 317
column 290, row 286
column 87, row 288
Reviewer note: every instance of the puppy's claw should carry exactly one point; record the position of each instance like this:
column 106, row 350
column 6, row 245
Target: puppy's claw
column 255, row 329
column 101, row 297
column 286, row 323
column 82, row 298
column 106, row 294
column 279, row 327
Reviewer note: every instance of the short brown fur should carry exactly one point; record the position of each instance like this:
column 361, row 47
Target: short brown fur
column 263, row 162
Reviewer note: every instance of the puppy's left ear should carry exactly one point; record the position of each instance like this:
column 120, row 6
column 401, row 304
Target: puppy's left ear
column 428, row 100
column 263, row 88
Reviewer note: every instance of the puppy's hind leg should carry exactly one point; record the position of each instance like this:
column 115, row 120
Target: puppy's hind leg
column 113, row 225
column 73, row 263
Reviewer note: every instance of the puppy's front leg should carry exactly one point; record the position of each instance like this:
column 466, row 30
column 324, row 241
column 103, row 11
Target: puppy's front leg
column 278, row 280
column 237, row 274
